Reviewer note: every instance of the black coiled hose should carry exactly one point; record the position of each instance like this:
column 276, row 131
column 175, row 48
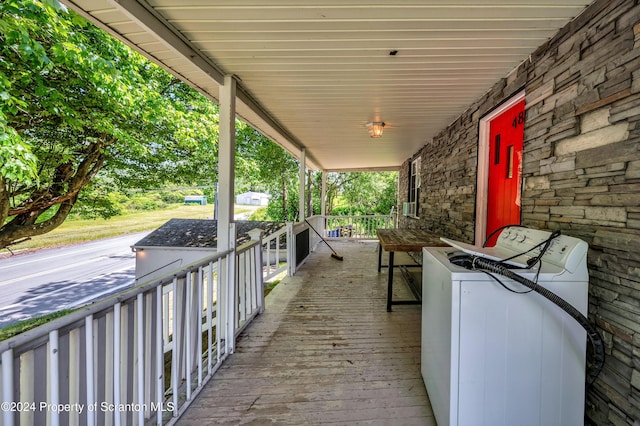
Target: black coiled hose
column 597, row 359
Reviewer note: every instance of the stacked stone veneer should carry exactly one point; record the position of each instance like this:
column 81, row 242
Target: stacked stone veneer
column 581, row 175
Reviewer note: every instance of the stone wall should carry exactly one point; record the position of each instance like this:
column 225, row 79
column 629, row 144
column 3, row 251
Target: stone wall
column 581, row 175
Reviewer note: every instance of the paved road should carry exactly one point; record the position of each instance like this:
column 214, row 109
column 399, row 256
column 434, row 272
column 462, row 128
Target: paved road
column 52, row 279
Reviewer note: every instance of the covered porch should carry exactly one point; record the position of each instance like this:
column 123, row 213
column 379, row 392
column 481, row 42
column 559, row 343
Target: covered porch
column 325, row 351
column 330, row 351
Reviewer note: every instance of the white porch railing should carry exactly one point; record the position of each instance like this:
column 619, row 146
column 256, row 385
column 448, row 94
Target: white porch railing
column 143, row 355
column 276, row 248
column 358, row 227
column 138, row 358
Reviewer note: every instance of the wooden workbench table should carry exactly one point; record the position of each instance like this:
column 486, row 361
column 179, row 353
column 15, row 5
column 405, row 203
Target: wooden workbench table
column 403, row 240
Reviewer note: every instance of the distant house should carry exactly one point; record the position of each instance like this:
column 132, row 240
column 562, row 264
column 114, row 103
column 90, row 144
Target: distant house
column 196, row 199
column 253, row 198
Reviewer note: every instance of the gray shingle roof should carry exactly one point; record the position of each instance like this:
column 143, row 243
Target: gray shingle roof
column 200, row 233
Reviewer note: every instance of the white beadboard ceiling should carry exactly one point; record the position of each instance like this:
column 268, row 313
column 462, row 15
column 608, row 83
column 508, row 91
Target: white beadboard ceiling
column 312, row 73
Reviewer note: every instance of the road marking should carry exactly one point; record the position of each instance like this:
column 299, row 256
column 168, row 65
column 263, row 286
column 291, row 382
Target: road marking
column 66, row 253
column 49, row 271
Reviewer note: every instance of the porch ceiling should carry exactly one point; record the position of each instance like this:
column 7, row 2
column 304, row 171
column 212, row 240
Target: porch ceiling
column 312, row 73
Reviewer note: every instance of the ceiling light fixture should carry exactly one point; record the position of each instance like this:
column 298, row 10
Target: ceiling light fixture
column 375, row 128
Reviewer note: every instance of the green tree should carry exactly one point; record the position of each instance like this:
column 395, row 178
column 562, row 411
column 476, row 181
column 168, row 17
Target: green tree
column 371, row 192
column 75, row 103
column 263, row 165
column 361, row 192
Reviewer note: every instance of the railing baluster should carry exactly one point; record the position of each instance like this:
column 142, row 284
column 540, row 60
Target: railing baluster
column 240, row 297
column 219, row 325
column 276, row 260
column 252, row 279
column 141, row 361
column 187, row 333
column 246, row 283
column 89, row 370
column 260, row 285
column 209, row 318
column 7, row 386
column 117, row 374
column 159, row 354
column 74, row 379
column 54, row 382
column 268, row 252
column 174, row 349
column 230, row 309
column 199, row 327
column 166, row 316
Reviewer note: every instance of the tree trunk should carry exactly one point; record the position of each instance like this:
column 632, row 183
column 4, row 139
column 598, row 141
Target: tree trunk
column 63, row 192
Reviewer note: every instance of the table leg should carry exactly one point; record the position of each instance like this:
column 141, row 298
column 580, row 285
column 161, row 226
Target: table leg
column 390, row 283
column 379, row 257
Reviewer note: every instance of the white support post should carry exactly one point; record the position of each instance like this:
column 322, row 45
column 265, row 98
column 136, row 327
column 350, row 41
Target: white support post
column 226, row 160
column 323, row 201
column 303, row 169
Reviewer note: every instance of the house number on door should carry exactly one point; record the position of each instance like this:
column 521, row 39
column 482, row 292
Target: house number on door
column 518, row 120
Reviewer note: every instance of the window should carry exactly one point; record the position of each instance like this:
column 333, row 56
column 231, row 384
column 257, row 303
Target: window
column 412, row 207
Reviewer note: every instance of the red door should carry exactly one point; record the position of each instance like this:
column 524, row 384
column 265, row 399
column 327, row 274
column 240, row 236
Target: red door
column 506, row 135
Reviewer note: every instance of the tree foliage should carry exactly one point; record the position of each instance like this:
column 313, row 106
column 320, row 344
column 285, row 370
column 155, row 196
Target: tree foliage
column 262, row 165
column 77, row 103
column 353, row 193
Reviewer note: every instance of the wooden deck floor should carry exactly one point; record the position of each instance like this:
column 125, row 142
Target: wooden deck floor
column 324, row 352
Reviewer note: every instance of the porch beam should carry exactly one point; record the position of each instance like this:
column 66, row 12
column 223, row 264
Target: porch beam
column 226, row 160
column 165, row 33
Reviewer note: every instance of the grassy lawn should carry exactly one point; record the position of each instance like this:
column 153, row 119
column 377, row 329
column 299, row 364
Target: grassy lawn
column 76, row 230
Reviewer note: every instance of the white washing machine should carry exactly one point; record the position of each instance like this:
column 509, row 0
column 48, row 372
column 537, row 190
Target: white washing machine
column 493, row 357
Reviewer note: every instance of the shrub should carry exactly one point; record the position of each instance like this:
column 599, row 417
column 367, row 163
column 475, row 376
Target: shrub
column 148, row 201
column 94, row 204
column 259, row 214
